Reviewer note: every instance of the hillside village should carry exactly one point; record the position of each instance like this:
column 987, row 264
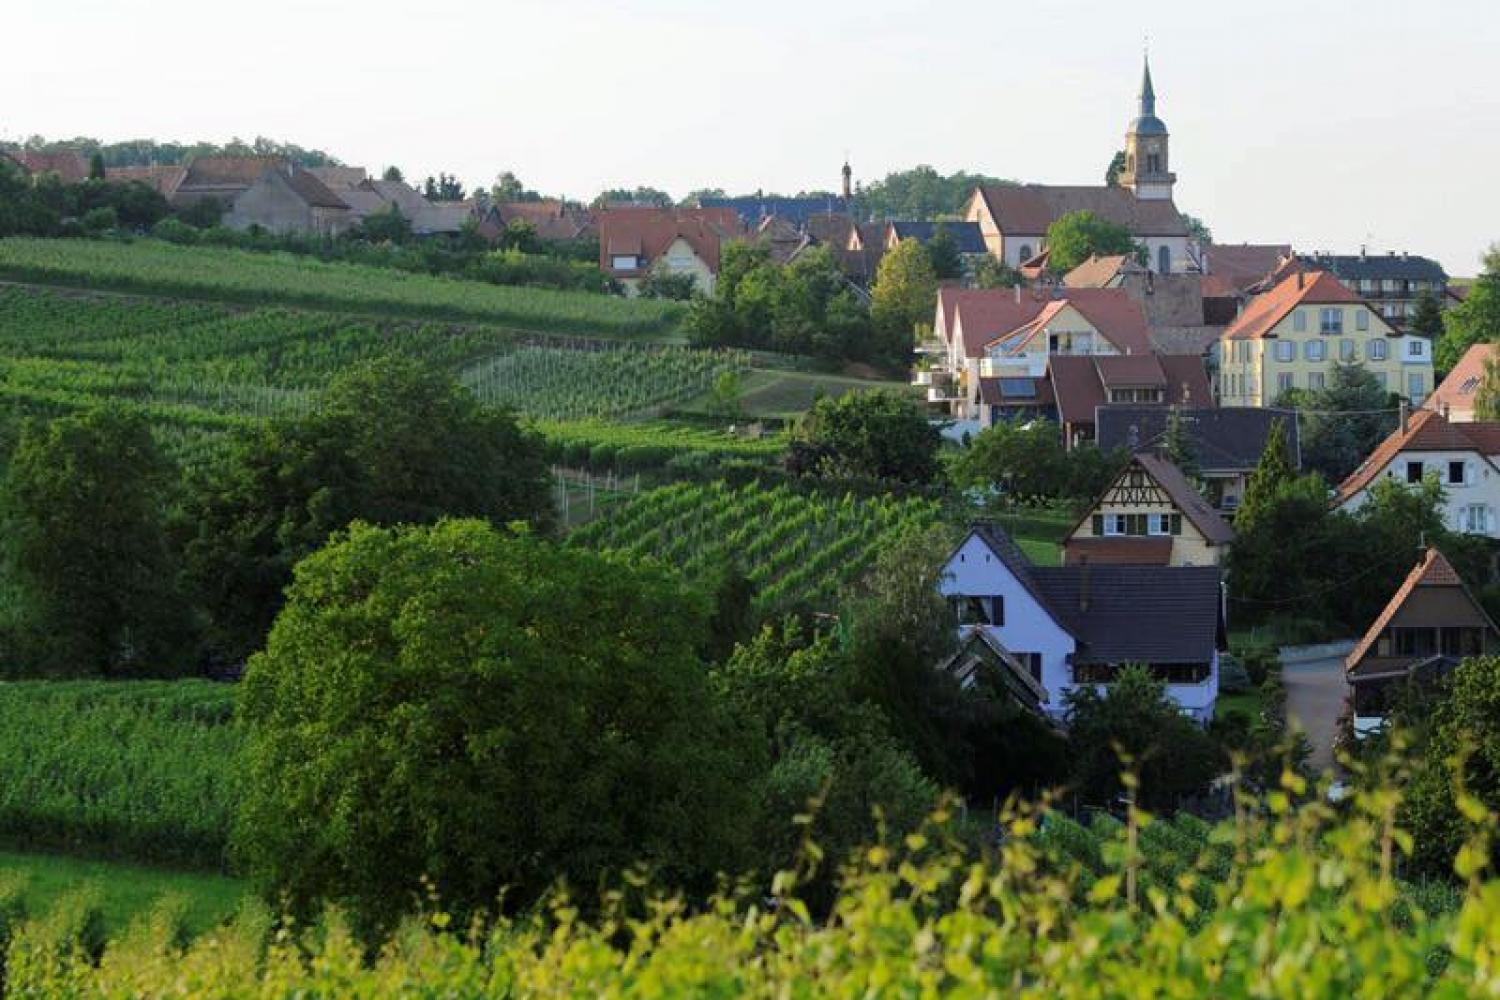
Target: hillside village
column 366, row 538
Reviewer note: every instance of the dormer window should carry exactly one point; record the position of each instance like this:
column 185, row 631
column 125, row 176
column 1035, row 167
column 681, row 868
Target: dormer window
column 623, row 262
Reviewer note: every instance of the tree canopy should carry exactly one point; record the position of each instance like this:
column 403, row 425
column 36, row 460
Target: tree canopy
column 1077, row 236
column 903, row 297
column 920, row 193
column 428, row 708
column 883, row 434
column 1476, row 319
column 1343, row 421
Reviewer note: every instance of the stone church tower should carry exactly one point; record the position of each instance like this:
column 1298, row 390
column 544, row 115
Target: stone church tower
column 1147, row 171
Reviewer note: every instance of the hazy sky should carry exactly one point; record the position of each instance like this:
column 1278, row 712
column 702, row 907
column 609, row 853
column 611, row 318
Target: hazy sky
column 1325, row 124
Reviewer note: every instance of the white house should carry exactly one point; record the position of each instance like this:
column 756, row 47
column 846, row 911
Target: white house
column 1077, row 625
column 1465, row 458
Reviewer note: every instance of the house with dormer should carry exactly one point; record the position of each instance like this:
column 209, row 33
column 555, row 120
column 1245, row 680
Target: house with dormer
column 635, row 241
column 1150, row 515
column 1079, row 625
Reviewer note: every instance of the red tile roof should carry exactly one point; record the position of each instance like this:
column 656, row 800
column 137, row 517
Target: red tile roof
column 68, row 164
column 1264, row 311
column 1241, row 265
column 1111, row 311
column 1027, row 210
column 1433, row 571
column 163, row 179
column 1078, row 381
column 1426, row 430
column 1096, row 272
column 1118, row 551
column 1457, row 392
column 648, row 232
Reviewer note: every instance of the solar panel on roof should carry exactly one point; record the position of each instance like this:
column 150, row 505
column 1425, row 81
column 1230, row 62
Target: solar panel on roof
column 1021, row 388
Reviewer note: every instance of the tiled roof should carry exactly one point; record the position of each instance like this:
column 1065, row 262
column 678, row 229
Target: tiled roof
column 1078, row 380
column 1433, row 571
column 752, row 208
column 1027, row 210
column 1096, row 272
column 648, row 232
column 1241, row 265
column 1136, row 614
column 1186, row 498
column 986, row 313
column 1136, row 371
column 966, row 235
column 1010, row 554
column 1118, row 318
column 340, row 177
column 229, row 171
column 1224, row 439
column 1120, row 551
column 162, row 179
column 1459, row 390
column 401, row 194
column 311, row 190
column 1357, row 267
column 68, row 164
column 1263, row 312
column 552, row 219
column 1426, row 430
column 832, row 228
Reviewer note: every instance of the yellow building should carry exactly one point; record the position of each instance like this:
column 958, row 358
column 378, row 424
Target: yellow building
column 1149, row 515
column 1292, row 336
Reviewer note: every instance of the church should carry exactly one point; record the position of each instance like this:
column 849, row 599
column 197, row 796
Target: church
column 1013, row 219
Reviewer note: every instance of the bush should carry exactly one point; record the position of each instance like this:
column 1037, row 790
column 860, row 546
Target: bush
column 175, row 231
column 1233, row 677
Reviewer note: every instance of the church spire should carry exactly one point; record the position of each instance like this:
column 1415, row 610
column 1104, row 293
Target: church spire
column 1148, row 93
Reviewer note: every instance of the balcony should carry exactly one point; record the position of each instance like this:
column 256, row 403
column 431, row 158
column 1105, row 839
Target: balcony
column 945, row 393
column 932, row 347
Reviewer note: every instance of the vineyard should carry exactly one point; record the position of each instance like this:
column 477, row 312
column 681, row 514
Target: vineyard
column 799, row 549
column 155, row 268
column 201, row 368
column 141, row 770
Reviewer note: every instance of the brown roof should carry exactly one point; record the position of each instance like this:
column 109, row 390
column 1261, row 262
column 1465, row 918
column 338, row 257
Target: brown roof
column 1433, row 571
column 68, row 164
column 1264, row 311
column 1238, row 266
column 340, row 177
column 312, row 190
column 648, row 232
column 1079, row 380
column 1215, row 530
column 1096, row 272
column 832, row 228
column 163, row 179
column 230, row 171
column 1112, row 312
column 1118, row 551
column 1426, row 430
column 1458, row 391
column 1024, row 210
column 552, row 219
column 987, row 313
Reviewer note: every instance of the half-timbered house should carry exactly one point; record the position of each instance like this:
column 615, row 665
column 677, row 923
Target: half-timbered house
column 1152, row 515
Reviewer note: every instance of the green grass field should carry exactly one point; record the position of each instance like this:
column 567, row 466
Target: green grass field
column 770, row 393
column 1039, row 533
column 126, row 891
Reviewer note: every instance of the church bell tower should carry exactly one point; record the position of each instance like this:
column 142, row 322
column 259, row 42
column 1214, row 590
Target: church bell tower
column 1147, row 171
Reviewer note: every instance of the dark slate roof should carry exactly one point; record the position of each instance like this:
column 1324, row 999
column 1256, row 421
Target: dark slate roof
column 1374, row 266
column 1010, row 554
column 1136, row 614
column 1226, row 439
column 753, row 208
column 965, row 234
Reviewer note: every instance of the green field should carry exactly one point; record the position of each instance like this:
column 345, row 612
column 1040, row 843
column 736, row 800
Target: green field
column 125, row 891
column 799, row 549
column 773, row 392
column 153, row 267
column 1039, row 533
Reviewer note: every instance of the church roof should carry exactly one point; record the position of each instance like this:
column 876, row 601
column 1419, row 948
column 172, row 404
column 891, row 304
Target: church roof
column 1027, row 209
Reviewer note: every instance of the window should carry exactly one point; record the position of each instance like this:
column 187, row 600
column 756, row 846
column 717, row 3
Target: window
column 1286, row 350
column 622, row 262
column 1456, row 473
column 1285, row 381
column 1164, row 260
column 1315, row 380
column 970, row 609
column 1376, row 349
column 1347, row 350
column 1361, row 319
column 1299, row 321
column 1413, row 472
column 1315, row 350
column 1025, row 252
column 1164, row 524
column 1131, row 525
column 1414, row 387
column 1416, row 347
column 1331, row 320
column 1390, row 285
column 1153, row 163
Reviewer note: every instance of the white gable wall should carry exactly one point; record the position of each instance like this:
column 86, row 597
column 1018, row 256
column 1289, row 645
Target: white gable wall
column 1481, row 486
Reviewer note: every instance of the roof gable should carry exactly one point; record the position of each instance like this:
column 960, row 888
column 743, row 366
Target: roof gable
column 1426, row 430
column 1460, row 388
column 1434, row 570
column 1266, row 311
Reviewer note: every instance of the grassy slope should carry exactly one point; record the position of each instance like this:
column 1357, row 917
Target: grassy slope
column 1039, row 533
column 127, row 890
column 152, row 267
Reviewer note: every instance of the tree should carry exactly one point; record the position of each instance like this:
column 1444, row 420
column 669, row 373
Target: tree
column 1274, row 470
column 386, row 226
column 1115, row 169
column 1027, row 463
column 633, row 196
column 1427, row 319
column 1178, row 445
column 992, row 272
column 725, row 396
column 883, row 434
column 1475, row 320
column 1344, row 421
column 393, row 173
column 942, row 253
column 1197, row 229
column 508, row 187
column 444, row 188
column 96, row 167
column 1133, row 715
column 390, row 443
column 903, row 297
column 920, row 193
column 85, row 504
column 1077, row 236
column 660, row 283
column 428, row 712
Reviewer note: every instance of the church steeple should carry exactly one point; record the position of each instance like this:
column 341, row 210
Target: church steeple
column 1147, row 173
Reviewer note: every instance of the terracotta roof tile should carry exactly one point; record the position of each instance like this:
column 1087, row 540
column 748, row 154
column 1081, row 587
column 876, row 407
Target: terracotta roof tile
column 68, row 164
column 1123, row 551
column 648, row 232
column 1433, row 571
column 1457, row 392
column 1027, row 210
column 1244, row 264
column 1426, row 430
column 1269, row 308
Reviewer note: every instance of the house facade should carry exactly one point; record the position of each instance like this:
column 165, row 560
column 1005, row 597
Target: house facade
column 1079, row 625
column 1430, row 625
column 1291, row 336
column 635, row 241
column 1150, row 515
column 289, row 199
column 1392, row 283
column 1462, row 457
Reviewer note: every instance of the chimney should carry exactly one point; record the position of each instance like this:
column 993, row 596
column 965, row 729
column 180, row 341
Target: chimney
column 1301, row 279
column 1361, row 251
column 1083, row 584
column 1405, row 412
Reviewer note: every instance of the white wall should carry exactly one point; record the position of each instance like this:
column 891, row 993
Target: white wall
column 1482, row 485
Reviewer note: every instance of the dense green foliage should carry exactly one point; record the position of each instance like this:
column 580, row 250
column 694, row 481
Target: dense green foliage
column 141, row 770
column 158, row 268
column 1342, row 422
column 804, row 307
column 83, row 513
column 920, row 193
column 431, row 705
column 902, row 299
column 1028, row 463
column 1075, row 237
column 1475, row 320
column 148, row 152
column 634, row 447
column 1282, row 902
column 798, row 549
column 390, row 442
column 875, row 435
column 45, row 206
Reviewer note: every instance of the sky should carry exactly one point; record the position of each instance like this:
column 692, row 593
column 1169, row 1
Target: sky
column 1326, row 124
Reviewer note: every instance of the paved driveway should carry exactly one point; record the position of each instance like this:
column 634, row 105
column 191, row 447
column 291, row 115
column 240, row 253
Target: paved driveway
column 1315, row 693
